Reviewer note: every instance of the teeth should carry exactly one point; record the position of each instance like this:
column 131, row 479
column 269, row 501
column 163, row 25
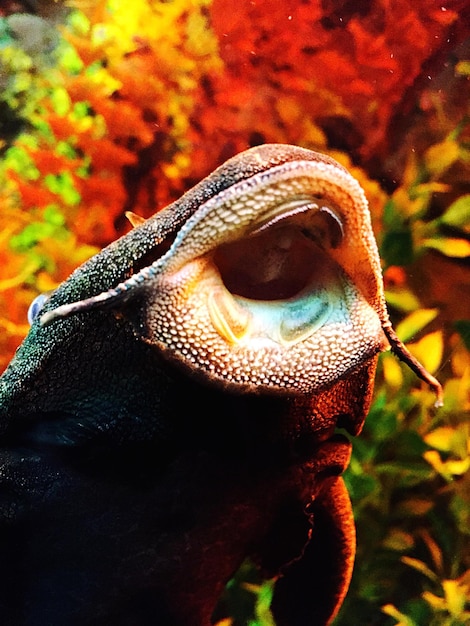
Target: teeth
column 302, row 318
column 230, row 320
column 297, row 207
column 334, row 226
column 321, row 223
column 324, row 227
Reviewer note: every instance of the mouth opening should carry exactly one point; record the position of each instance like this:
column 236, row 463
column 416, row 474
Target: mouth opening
column 279, row 283
column 282, row 256
column 276, row 264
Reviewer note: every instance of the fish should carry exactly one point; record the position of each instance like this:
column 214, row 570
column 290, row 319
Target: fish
column 175, row 408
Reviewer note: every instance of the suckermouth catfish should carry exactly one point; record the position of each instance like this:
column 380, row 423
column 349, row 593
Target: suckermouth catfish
column 174, row 408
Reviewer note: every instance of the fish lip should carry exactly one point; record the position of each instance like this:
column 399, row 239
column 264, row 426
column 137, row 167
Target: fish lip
column 340, row 445
column 327, row 458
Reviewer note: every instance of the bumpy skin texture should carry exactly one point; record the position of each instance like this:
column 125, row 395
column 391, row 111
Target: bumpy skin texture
column 134, row 481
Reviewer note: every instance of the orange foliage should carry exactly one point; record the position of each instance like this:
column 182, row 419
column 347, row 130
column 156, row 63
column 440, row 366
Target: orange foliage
column 360, row 57
column 62, row 126
column 48, row 161
column 31, row 194
column 173, row 89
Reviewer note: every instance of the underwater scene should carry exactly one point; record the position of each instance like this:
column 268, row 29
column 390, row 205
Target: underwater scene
column 111, row 110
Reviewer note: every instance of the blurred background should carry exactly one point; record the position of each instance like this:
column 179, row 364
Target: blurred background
column 114, row 106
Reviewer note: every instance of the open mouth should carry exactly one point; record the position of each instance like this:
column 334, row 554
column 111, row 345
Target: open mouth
column 277, row 261
column 279, row 282
column 267, row 287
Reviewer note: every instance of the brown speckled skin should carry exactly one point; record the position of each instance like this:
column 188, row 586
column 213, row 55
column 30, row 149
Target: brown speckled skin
column 130, row 491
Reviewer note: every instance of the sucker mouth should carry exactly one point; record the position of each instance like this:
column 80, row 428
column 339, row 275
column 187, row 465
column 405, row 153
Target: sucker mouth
column 279, row 283
column 282, row 256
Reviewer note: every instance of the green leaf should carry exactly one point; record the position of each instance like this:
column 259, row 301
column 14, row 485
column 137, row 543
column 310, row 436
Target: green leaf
column 403, row 620
column 429, row 350
column 79, row 23
column 360, row 486
column 382, row 424
column 455, row 594
column 442, row 438
column 392, row 218
column 53, row 215
column 263, row 602
column 69, row 59
column 441, row 156
column 413, row 507
column 404, row 474
column 398, row 540
column 18, row 159
column 402, row 299
column 63, row 185
column 458, row 213
column 460, row 508
column 60, row 100
column 463, row 68
column 419, row 566
column 463, row 328
column 397, row 247
column 450, row 246
column 415, row 322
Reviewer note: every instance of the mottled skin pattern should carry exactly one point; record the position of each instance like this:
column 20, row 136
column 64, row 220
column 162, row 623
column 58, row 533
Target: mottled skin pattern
column 136, row 479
